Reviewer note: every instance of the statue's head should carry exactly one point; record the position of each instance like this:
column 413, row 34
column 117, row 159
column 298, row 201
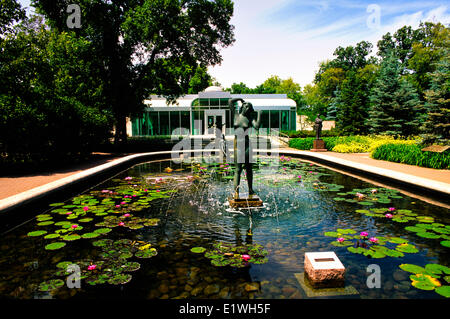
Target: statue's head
column 247, row 108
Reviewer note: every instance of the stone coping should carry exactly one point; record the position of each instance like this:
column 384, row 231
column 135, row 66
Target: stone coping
column 17, row 200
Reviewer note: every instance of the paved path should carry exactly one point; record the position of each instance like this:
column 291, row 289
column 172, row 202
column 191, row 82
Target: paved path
column 12, row 185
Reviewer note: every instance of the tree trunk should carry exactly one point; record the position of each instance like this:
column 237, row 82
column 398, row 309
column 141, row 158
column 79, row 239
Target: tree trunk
column 120, row 136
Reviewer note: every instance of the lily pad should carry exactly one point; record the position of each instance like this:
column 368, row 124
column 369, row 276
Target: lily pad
column 90, row 235
column 52, row 236
column 443, row 291
column 37, row 233
column 146, row 253
column 412, row 268
column 55, row 246
column 445, row 243
column 198, row 250
column 407, row 248
column 51, row 285
column 46, row 223
column 428, row 235
column 85, row 220
column 437, row 269
column 71, row 237
column 102, row 230
column 120, row 279
column 131, row 266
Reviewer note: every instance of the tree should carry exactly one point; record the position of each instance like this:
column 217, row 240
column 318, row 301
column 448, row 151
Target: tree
column 51, row 99
column 239, row 88
column 200, row 81
column 436, row 127
column 400, row 45
column 394, row 103
column 350, row 107
column 315, row 103
column 426, row 53
column 148, row 46
column 351, row 58
column 10, row 12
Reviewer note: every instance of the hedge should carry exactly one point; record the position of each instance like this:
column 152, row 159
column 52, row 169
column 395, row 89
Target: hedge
column 311, row 133
column 348, row 144
column 412, row 155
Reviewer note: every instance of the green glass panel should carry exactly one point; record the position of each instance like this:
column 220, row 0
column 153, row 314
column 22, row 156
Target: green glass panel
column 164, row 123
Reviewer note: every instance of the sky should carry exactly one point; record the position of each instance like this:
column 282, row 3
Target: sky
column 289, row 38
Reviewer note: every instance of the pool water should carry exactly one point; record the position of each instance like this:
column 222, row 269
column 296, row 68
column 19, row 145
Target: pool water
column 165, row 230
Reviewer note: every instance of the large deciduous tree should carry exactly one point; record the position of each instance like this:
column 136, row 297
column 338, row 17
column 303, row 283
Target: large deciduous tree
column 51, row 101
column 147, row 46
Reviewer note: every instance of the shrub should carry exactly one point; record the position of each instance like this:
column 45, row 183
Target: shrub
column 350, row 148
column 306, row 133
column 349, row 144
column 412, row 155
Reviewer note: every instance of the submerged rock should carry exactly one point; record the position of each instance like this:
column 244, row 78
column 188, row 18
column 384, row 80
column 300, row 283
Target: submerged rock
column 211, row 289
column 196, row 291
column 252, row 286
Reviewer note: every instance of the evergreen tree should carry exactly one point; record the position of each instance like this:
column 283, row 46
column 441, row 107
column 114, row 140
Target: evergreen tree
column 351, row 111
column 436, row 127
column 394, row 102
column 333, row 107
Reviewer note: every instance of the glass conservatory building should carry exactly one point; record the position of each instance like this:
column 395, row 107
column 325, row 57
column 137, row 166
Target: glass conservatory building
column 201, row 113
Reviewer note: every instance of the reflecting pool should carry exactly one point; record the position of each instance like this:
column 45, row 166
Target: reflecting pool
column 165, row 230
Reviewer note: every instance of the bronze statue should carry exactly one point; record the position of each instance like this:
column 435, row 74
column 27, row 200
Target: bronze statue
column 243, row 154
column 318, row 126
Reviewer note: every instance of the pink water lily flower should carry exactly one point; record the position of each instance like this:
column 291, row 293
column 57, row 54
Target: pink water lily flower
column 128, row 178
column 126, row 215
column 92, row 267
column 373, row 191
column 389, row 215
column 123, row 203
column 117, row 206
column 121, row 224
column 85, row 208
column 68, row 213
column 299, row 176
column 340, row 239
column 245, row 257
column 74, row 226
column 373, row 239
column 157, row 190
column 364, row 234
column 359, row 195
column 105, row 191
column 391, row 209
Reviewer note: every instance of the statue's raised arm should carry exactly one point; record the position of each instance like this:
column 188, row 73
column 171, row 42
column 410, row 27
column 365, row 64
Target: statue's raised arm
column 257, row 123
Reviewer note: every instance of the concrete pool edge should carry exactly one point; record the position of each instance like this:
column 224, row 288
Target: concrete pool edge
column 419, row 183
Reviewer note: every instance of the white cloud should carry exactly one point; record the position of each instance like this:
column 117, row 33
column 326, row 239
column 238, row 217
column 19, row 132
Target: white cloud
column 281, row 48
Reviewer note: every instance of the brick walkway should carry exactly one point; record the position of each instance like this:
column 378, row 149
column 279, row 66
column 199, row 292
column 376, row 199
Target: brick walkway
column 13, row 185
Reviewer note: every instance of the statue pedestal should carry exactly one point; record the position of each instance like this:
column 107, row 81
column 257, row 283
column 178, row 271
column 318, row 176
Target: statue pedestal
column 251, row 201
column 318, row 146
